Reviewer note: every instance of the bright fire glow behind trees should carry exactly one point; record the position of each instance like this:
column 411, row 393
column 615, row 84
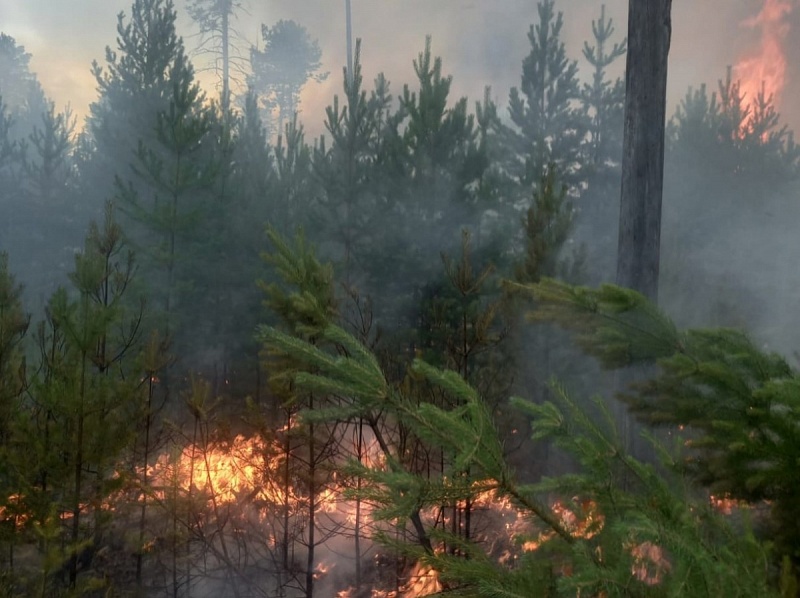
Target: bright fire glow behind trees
column 765, row 66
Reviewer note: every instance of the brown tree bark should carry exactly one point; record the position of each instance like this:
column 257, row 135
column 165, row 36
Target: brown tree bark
column 649, row 29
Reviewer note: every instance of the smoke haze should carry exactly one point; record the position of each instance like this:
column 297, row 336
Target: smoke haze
column 481, row 43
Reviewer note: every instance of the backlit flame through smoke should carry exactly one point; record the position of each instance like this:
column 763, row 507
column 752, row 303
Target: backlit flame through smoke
column 764, row 68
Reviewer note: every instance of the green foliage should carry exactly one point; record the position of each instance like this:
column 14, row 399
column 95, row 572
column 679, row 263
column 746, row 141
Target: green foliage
column 346, row 170
column 308, row 310
column 689, row 534
column 13, row 328
column 738, row 402
column 602, row 98
column 461, row 317
column 615, row 526
column 597, row 211
column 547, row 225
column 616, row 325
column 293, row 185
column 69, row 430
column 166, row 191
column 146, row 85
column 50, row 168
column 548, row 128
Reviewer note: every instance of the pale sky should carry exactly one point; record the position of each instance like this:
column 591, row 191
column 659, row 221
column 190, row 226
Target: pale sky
column 480, row 41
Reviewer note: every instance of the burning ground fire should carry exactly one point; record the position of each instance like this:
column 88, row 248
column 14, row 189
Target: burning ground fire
column 231, row 473
column 237, row 478
column 764, row 69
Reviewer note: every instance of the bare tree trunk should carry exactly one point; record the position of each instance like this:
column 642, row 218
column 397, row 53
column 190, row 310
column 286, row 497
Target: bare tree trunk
column 78, row 480
column 348, row 18
column 312, row 505
column 649, row 30
column 226, row 73
column 357, row 527
column 145, row 459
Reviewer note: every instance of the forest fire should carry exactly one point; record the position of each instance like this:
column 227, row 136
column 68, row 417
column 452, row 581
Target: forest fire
column 240, row 475
column 422, row 581
column 226, row 472
column 764, row 69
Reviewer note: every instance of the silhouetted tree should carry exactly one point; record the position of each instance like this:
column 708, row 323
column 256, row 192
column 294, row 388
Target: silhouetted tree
column 218, row 39
column 346, row 170
column 19, row 87
column 13, row 383
column 548, row 126
column 597, row 212
column 148, row 129
column 290, row 59
column 10, row 172
column 136, row 86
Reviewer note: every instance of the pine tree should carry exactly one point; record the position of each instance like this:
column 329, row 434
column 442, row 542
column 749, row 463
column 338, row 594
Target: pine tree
column 20, row 88
column 35, row 165
column 218, row 39
column 293, row 186
column 737, row 402
column 597, row 218
column 13, row 383
column 10, row 172
column 346, row 171
column 547, row 126
column 603, row 98
column 462, row 328
column 13, row 328
column 602, row 535
column 723, row 179
column 437, row 167
column 152, row 363
column 547, row 225
column 309, row 448
column 639, row 247
column 290, row 59
column 49, row 168
column 141, row 80
column 742, row 137
column 76, row 423
column 148, row 129
column 52, row 205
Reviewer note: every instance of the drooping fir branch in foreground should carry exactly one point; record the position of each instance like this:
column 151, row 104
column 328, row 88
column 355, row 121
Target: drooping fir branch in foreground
column 740, row 404
column 589, row 533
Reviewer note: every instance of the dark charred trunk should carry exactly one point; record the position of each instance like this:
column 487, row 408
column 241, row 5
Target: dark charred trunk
column 649, row 29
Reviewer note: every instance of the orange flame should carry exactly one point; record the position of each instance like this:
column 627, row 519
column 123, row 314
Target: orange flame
column 650, row 565
column 765, row 69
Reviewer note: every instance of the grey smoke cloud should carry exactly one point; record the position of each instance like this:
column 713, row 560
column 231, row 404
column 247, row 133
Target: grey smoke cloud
column 482, row 42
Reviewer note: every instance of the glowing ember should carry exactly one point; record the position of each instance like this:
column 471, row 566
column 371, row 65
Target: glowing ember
column 422, row 582
column 725, row 504
column 649, row 563
column 15, row 511
column 765, row 69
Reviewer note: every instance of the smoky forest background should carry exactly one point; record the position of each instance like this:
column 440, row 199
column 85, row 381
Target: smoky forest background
column 389, row 360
